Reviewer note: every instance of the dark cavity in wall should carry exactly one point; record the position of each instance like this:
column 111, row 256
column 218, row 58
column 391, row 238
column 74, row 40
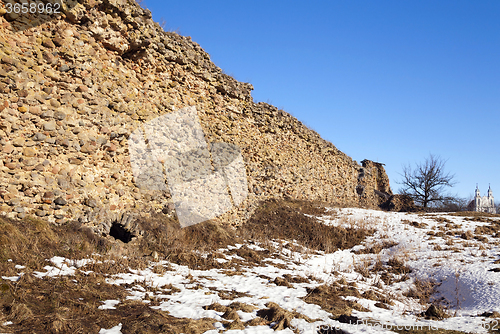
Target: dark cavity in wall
column 119, row 232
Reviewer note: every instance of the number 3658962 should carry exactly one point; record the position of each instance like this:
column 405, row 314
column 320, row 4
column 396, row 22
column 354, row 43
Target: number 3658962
column 33, row 8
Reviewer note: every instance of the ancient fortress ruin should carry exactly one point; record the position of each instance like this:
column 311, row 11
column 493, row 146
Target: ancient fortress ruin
column 74, row 87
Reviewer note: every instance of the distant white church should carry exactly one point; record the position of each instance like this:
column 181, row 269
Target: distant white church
column 483, row 204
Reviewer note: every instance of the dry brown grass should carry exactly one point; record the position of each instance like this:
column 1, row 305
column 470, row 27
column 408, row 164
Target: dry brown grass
column 414, row 223
column 363, row 267
column 284, row 220
column 377, row 248
column 54, row 305
column 229, row 313
column 280, row 317
column 31, row 241
column 308, row 207
column 230, row 295
column 70, row 305
column 398, row 266
column 328, row 297
column 164, row 236
column 435, row 312
column 388, row 270
column 482, row 239
column 467, row 235
column 61, row 305
column 492, row 229
column 473, row 214
column 442, row 220
column 439, row 234
column 437, row 247
column 372, row 295
column 296, row 279
column 449, row 242
column 422, row 290
column 250, row 255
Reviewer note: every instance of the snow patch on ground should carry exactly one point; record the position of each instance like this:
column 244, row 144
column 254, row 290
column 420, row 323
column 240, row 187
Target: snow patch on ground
column 468, row 286
column 114, row 330
column 109, row 304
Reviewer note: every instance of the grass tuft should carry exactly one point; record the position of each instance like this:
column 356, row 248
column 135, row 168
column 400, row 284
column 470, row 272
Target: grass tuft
column 285, row 220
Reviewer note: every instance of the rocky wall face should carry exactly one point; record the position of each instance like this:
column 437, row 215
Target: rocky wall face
column 73, row 90
column 373, row 184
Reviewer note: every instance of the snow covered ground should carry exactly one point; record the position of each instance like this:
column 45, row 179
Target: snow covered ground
column 436, row 247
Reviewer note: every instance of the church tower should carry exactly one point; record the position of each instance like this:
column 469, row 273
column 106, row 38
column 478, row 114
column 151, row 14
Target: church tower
column 491, row 200
column 477, row 199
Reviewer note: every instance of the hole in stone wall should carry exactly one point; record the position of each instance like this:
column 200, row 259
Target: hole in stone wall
column 359, row 190
column 119, row 232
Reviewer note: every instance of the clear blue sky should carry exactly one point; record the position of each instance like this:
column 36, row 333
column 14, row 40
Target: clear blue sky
column 390, row 81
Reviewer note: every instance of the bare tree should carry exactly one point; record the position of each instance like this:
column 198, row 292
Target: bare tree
column 455, row 204
column 427, row 181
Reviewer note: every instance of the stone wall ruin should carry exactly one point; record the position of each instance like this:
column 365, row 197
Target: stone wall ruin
column 73, row 90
